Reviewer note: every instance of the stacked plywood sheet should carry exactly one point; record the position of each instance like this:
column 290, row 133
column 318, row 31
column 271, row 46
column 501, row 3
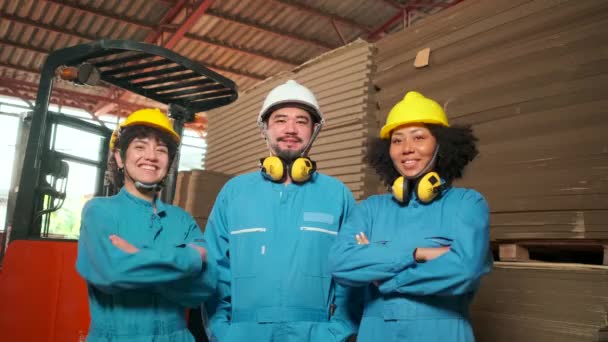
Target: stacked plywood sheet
column 341, row 82
column 196, row 191
column 541, row 303
column 530, row 76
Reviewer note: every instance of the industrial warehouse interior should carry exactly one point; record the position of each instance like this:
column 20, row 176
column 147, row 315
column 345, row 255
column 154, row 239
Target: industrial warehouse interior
column 527, row 76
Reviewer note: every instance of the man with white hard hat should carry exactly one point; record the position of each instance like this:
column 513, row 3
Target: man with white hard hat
column 272, row 231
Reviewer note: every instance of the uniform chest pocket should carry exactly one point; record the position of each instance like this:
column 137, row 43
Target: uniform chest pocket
column 314, row 244
column 248, row 250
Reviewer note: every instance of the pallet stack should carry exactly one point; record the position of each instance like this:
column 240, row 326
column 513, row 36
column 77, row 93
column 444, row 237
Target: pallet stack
column 196, row 191
column 542, row 303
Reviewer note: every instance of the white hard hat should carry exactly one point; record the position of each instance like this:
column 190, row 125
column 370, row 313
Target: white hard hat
column 290, row 92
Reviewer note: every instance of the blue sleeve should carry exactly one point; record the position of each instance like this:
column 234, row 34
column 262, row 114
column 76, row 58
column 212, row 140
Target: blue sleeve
column 109, row 269
column 359, row 265
column 349, row 301
column 193, row 291
column 459, row 270
column 216, row 234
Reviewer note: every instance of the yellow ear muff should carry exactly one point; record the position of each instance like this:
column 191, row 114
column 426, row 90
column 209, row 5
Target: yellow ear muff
column 301, row 169
column 273, row 168
column 428, row 187
column 399, row 190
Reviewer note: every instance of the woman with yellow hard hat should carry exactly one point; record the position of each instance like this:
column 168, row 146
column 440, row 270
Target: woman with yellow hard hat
column 144, row 261
column 420, row 251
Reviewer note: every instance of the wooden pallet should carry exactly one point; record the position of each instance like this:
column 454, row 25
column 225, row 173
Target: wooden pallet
column 571, row 250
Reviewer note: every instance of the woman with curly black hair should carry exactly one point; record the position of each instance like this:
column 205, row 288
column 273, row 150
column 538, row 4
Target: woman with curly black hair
column 421, row 250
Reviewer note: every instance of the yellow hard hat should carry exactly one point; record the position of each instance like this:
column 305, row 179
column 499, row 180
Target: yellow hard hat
column 414, row 108
column 151, row 117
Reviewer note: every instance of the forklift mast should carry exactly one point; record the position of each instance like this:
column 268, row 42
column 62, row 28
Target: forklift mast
column 38, row 281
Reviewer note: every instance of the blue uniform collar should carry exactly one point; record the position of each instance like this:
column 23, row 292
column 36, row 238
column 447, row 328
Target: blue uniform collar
column 160, row 206
column 291, row 186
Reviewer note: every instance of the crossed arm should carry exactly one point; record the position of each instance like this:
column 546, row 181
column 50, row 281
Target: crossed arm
column 416, row 271
column 112, row 264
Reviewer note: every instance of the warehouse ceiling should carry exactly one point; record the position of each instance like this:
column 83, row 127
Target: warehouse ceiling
column 245, row 40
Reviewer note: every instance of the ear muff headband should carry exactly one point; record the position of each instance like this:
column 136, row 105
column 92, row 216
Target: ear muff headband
column 276, row 169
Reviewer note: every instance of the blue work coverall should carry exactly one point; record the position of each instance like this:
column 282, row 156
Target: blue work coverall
column 143, row 296
column 272, row 242
column 415, row 301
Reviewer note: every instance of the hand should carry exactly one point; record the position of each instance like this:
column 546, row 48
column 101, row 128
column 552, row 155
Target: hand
column 123, row 244
column 362, row 239
column 427, row 254
column 202, row 251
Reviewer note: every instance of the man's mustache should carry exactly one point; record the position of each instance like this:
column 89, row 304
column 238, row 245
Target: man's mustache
column 298, row 139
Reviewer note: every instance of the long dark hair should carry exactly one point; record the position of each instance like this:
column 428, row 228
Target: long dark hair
column 457, row 147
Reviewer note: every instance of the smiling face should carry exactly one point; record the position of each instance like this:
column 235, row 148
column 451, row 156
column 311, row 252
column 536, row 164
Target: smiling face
column 288, row 131
column 146, row 160
column 412, row 148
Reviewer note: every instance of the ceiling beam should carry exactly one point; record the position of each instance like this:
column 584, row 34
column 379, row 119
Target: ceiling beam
column 267, row 29
column 333, row 23
column 154, row 35
column 171, row 14
column 235, row 72
column 152, row 38
column 247, row 51
column 394, row 4
column 387, row 24
column 29, row 22
column 23, row 46
column 28, row 91
column 100, row 13
column 15, row 93
column 33, row 87
column 20, row 68
column 404, row 10
column 416, row 4
column 57, row 30
column 185, row 26
column 319, row 13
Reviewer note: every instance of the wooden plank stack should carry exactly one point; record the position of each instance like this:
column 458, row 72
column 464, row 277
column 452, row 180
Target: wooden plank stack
column 541, row 303
column 196, row 191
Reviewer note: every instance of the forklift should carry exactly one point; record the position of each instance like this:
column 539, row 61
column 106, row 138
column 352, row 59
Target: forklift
column 42, row 298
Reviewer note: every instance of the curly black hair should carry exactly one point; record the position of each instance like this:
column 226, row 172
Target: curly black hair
column 457, row 147
column 127, row 135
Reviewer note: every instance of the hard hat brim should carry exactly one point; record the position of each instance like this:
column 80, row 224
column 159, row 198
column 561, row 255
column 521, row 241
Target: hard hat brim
column 385, row 132
column 173, row 134
column 314, row 113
